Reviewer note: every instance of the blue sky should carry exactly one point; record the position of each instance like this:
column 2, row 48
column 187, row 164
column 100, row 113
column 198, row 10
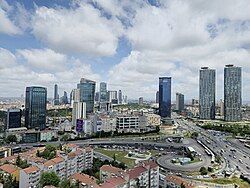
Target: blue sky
column 128, row 44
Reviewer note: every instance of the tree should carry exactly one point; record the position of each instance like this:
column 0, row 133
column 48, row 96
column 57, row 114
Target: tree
column 194, row 135
column 203, row 171
column 49, row 178
column 182, row 185
column 11, row 138
column 64, row 184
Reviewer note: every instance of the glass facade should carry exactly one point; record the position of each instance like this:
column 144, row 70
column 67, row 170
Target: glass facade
column 35, row 107
column 165, row 97
column 179, row 102
column 103, row 92
column 13, row 118
column 87, row 93
column 56, row 95
column 207, row 93
column 232, row 93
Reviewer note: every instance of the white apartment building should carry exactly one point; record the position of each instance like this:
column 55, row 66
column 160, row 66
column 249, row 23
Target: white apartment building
column 78, row 111
column 29, row 177
column 58, row 165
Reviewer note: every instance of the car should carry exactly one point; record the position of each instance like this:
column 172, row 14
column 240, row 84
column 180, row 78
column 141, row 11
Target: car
column 234, row 157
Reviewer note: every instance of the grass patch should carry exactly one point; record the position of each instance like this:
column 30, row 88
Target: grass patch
column 238, row 181
column 120, row 156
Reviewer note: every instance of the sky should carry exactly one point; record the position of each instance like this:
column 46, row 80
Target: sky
column 126, row 43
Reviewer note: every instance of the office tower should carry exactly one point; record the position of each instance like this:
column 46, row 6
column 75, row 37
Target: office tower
column 140, row 101
column 103, row 92
column 221, row 107
column 97, row 97
column 87, row 93
column 35, row 107
column 74, row 96
column 179, row 102
column 126, row 99
column 232, row 93
column 157, row 97
column 64, row 98
column 207, row 93
column 119, row 97
column 56, row 95
column 112, row 95
column 13, row 118
column 78, row 112
column 165, row 97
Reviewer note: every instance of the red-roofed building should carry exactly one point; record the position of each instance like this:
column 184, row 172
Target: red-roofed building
column 85, row 180
column 10, row 170
column 29, row 177
column 115, row 182
column 108, row 171
column 176, row 182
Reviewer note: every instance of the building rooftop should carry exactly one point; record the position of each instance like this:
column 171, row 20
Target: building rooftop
column 31, row 169
column 178, row 181
column 113, row 182
column 9, row 168
column 86, row 179
column 111, row 169
column 136, row 172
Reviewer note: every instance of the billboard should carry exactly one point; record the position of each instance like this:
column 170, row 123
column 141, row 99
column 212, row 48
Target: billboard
column 79, row 125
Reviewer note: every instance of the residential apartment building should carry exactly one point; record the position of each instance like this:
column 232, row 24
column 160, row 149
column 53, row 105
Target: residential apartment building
column 30, row 177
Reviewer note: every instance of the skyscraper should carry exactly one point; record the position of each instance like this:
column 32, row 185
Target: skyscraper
column 56, row 95
column 165, row 97
column 35, row 107
column 65, row 98
column 140, row 102
column 112, row 95
column 207, row 93
column 179, row 102
column 87, row 93
column 157, row 97
column 120, row 97
column 13, row 118
column 103, row 92
column 78, row 111
column 232, row 93
column 74, row 96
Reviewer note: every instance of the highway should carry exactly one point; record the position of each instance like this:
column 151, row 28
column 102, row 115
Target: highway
column 237, row 157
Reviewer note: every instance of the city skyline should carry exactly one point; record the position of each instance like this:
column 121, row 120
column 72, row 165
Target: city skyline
column 132, row 52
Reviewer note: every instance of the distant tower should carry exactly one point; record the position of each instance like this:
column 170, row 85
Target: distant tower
column 120, row 97
column 103, row 92
column 179, row 102
column 87, row 93
column 207, row 93
column 157, row 97
column 35, row 107
column 165, row 97
column 112, row 95
column 140, row 101
column 221, row 107
column 78, row 112
column 65, row 98
column 56, row 95
column 232, row 93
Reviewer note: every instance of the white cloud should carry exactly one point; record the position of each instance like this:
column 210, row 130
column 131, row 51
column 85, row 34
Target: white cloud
column 24, row 71
column 44, row 59
column 175, row 40
column 77, row 30
column 6, row 25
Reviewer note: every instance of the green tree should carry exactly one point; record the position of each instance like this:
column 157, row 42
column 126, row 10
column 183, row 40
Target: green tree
column 11, row 138
column 49, row 178
column 194, row 135
column 65, row 184
column 203, row 171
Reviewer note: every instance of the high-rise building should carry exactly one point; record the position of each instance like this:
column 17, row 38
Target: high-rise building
column 56, row 95
column 87, row 93
column 13, row 118
column 103, row 92
column 112, row 95
column 157, row 97
column 221, row 105
column 78, row 111
column 179, row 102
column 97, row 97
column 126, row 99
column 195, row 102
column 35, row 107
column 165, row 97
column 74, row 96
column 119, row 97
column 232, row 93
column 64, row 98
column 140, row 101
column 207, row 93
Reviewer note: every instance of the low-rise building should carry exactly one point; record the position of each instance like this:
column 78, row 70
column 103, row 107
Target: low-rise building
column 177, row 182
column 153, row 119
column 108, row 171
column 10, row 170
column 57, row 165
column 48, row 135
column 29, row 177
column 85, row 181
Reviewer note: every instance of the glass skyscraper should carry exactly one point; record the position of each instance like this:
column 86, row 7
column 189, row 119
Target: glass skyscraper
column 56, row 95
column 232, row 93
column 35, row 107
column 87, row 93
column 120, row 96
column 13, row 118
column 103, row 92
column 207, row 93
column 165, row 97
